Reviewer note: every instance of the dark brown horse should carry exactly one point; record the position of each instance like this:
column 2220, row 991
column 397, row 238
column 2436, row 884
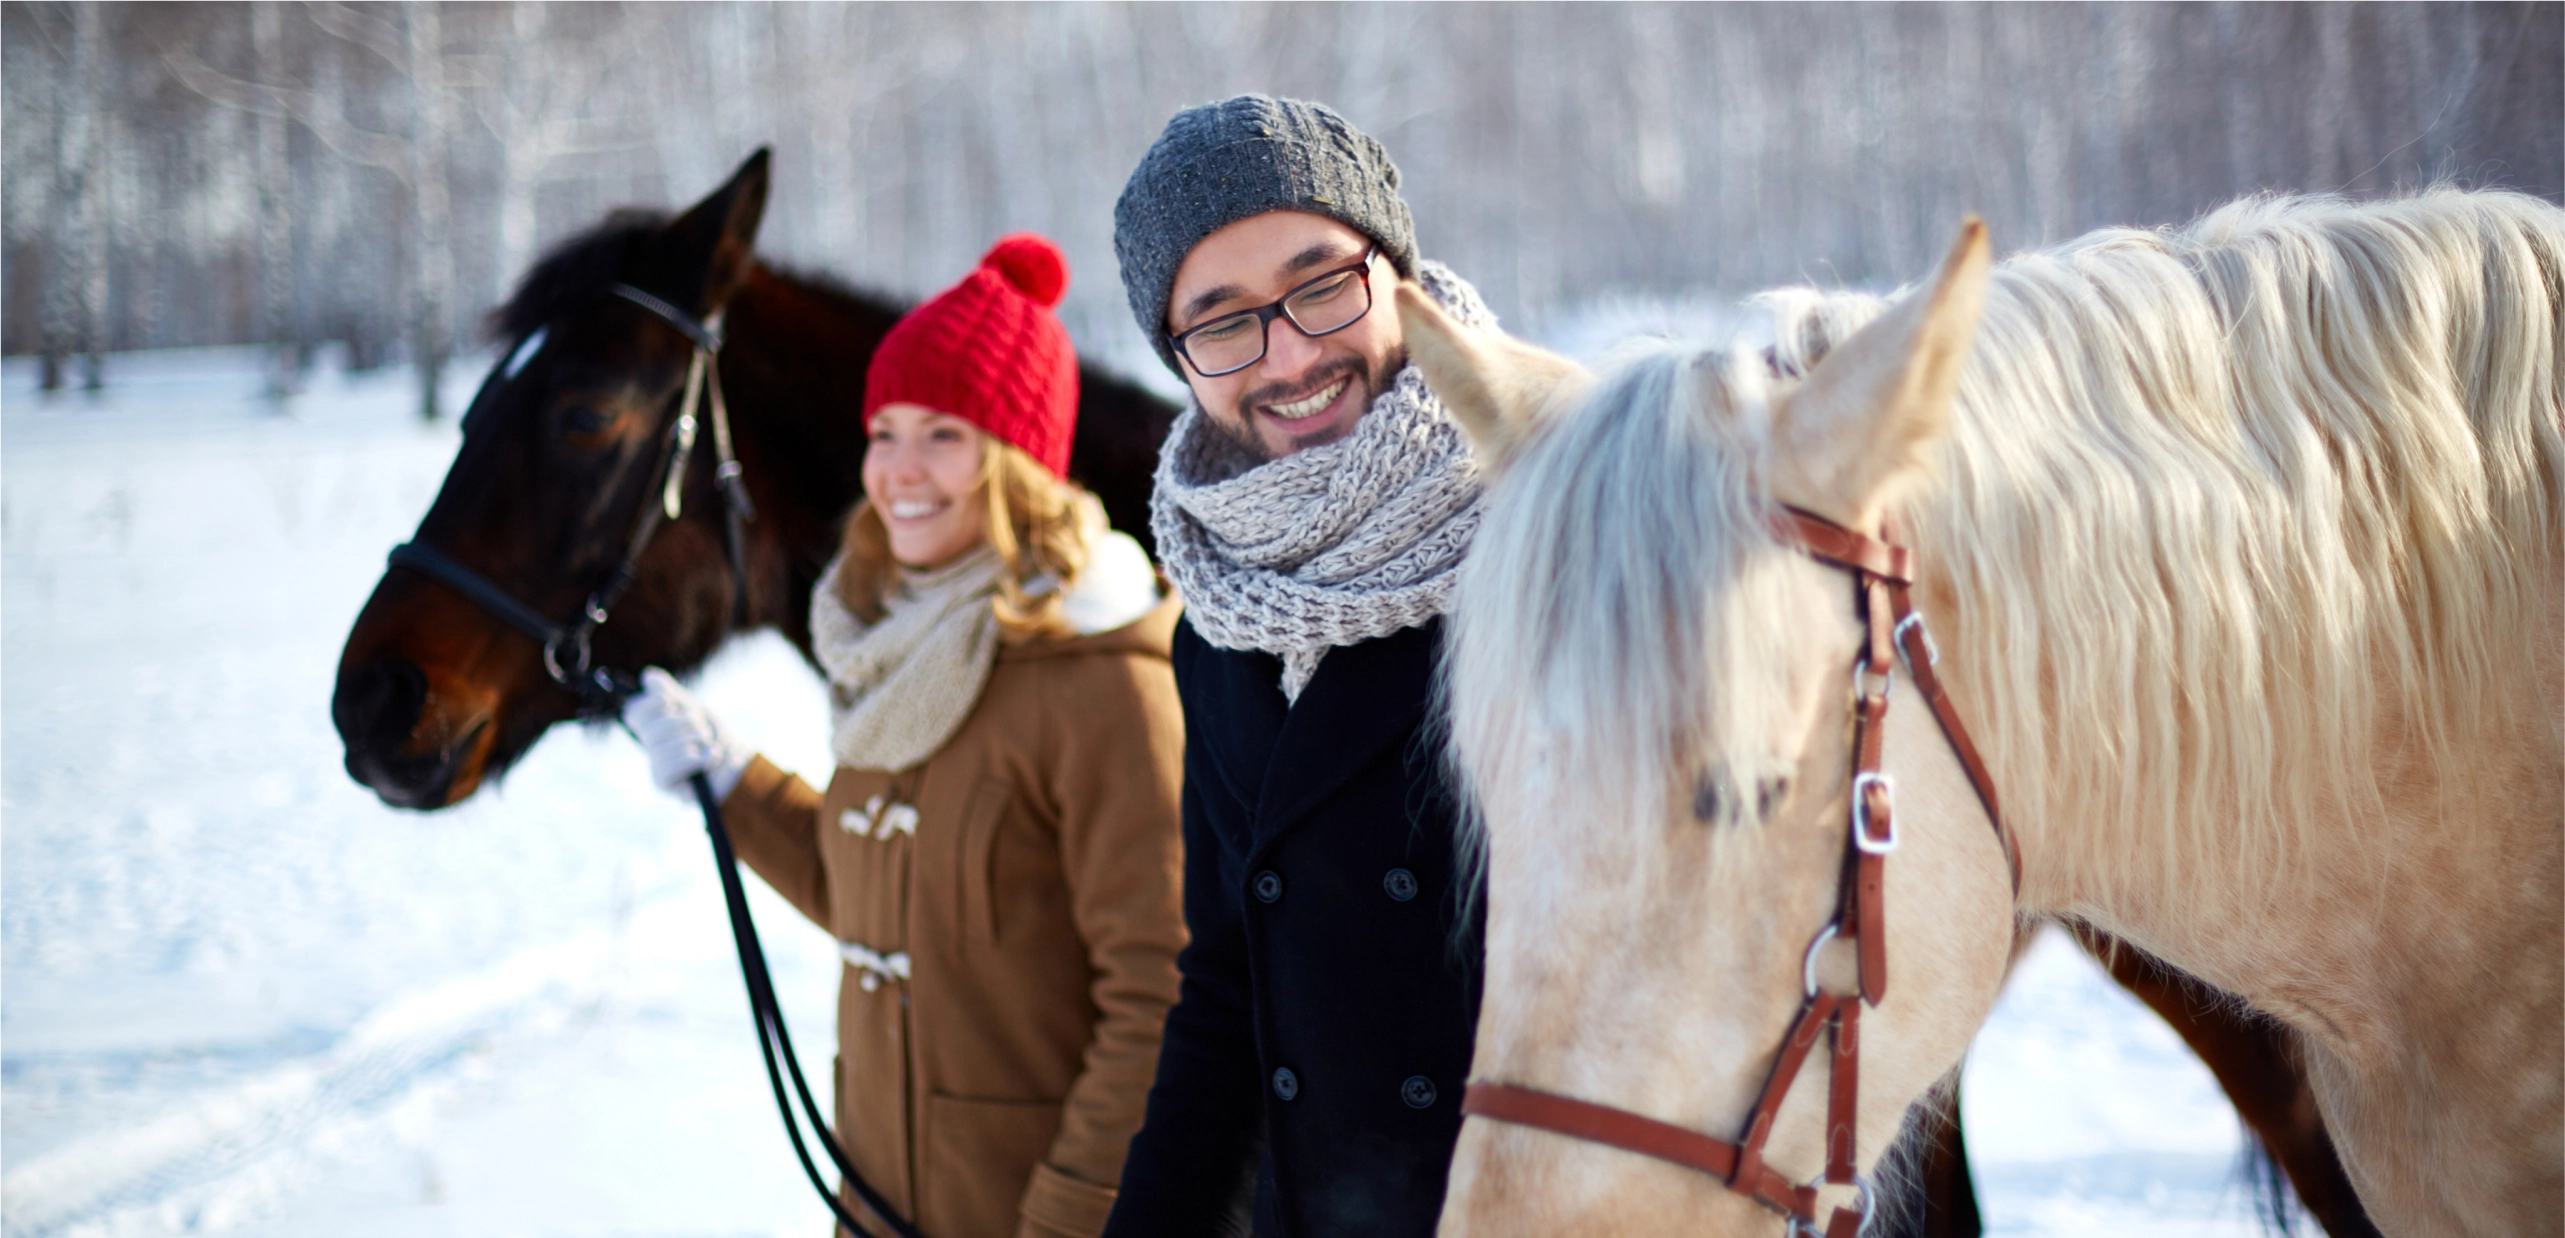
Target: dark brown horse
column 436, row 694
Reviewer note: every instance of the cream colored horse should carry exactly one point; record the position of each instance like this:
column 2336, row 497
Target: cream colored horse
column 2242, row 546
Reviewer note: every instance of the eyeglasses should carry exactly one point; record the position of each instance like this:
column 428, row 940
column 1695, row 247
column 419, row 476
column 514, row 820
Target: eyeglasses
column 1323, row 306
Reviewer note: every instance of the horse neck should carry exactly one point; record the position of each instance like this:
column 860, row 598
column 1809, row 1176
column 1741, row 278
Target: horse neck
column 793, row 374
column 2248, row 810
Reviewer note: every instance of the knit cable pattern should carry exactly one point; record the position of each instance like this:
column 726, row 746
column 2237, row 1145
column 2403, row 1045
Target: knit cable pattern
column 1335, row 545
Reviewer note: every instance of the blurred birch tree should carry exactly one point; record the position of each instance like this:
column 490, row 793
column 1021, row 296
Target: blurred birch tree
column 1555, row 154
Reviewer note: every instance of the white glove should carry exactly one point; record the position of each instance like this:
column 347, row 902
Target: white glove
column 683, row 738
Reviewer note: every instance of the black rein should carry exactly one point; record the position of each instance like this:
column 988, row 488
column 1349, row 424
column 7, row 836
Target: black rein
column 602, row 691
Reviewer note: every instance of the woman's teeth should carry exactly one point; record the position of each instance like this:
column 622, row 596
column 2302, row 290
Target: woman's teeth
column 1310, row 407
column 913, row 509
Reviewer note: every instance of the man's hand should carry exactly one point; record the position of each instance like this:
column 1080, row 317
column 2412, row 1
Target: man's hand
column 683, row 738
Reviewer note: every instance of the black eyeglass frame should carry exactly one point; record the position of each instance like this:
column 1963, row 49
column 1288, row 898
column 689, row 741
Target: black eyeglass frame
column 1266, row 314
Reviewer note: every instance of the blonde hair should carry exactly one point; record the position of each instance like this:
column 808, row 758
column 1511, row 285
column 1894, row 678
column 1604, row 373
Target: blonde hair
column 1035, row 522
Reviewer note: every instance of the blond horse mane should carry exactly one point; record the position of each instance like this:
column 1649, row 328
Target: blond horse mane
column 2223, row 505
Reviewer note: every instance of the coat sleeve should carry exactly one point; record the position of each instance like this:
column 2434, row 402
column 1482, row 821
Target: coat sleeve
column 773, row 819
column 1116, row 767
column 1192, row 1166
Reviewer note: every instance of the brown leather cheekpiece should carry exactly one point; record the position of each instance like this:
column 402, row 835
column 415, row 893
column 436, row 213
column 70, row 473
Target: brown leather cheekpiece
column 1883, row 575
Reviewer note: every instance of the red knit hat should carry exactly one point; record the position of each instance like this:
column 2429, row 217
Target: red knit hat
column 989, row 351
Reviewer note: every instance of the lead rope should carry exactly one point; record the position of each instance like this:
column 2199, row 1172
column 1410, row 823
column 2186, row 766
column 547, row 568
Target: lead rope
column 704, row 377
column 601, row 693
column 773, row 1041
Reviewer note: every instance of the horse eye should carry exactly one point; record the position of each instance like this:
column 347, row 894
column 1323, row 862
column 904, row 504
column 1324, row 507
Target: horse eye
column 584, row 419
column 1709, row 803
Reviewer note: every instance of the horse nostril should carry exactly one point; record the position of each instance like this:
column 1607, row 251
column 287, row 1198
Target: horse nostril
column 381, row 701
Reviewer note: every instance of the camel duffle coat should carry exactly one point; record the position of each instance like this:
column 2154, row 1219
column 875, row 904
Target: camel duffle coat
column 1034, row 897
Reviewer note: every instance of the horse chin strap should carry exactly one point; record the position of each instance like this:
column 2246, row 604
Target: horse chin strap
column 1883, row 577
column 567, row 656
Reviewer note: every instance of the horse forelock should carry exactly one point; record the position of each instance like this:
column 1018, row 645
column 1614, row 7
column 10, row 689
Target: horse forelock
column 1603, row 660
column 2237, row 523
column 577, row 271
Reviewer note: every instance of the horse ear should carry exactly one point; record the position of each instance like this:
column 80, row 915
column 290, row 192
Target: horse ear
column 1848, row 437
column 1496, row 386
column 708, row 248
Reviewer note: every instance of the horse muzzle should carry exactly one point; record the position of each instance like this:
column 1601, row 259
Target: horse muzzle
column 405, row 742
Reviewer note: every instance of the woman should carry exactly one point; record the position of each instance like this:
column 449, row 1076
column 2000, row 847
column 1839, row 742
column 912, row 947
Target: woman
column 998, row 852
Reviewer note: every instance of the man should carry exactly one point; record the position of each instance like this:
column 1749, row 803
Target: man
column 1312, row 507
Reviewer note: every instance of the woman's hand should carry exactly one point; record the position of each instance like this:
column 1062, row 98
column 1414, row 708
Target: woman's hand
column 683, row 738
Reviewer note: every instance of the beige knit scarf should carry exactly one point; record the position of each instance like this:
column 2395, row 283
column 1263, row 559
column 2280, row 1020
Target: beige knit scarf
column 1330, row 546
column 899, row 688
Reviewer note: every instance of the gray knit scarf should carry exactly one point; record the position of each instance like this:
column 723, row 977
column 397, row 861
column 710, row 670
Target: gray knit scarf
column 901, row 687
column 1330, row 546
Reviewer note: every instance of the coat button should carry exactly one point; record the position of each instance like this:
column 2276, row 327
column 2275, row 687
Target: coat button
column 1287, row 1084
column 1418, row 1092
column 1400, row 883
column 1269, row 888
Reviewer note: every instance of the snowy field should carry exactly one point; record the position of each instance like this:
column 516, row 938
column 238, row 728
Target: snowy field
column 237, row 994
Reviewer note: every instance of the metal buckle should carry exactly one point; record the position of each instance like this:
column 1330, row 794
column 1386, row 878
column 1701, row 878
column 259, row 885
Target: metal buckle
column 568, row 677
column 672, row 499
column 1861, row 673
column 1915, row 619
column 1806, row 1227
column 1808, row 964
column 1861, row 812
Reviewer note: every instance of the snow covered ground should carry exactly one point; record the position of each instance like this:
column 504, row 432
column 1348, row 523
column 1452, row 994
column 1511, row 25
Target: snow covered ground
column 237, row 994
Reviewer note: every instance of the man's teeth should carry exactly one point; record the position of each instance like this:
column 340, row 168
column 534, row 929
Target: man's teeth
column 1298, row 409
column 910, row 509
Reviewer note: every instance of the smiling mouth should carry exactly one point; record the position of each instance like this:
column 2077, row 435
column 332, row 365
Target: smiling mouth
column 1301, row 410
column 915, row 509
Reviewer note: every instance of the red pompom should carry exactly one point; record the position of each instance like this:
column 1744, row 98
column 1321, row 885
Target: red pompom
column 1033, row 264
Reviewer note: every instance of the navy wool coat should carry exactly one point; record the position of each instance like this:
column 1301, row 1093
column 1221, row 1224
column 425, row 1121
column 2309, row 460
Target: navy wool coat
column 1315, row 1057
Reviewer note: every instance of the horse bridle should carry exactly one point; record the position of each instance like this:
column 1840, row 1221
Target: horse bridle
column 567, row 657
column 601, row 692
column 1883, row 578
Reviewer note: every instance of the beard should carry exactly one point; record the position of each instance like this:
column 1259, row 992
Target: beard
column 1238, row 427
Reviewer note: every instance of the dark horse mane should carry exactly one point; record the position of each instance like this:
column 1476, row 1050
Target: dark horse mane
column 576, row 271
column 583, row 267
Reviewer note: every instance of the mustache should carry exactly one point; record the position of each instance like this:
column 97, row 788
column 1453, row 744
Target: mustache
column 1316, row 380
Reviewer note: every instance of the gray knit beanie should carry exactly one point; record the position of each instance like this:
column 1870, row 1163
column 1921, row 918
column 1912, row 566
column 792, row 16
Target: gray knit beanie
column 1218, row 163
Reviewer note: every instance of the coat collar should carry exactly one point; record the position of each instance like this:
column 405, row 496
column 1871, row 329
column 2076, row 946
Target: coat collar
column 1148, row 636
column 1364, row 698
column 1235, row 710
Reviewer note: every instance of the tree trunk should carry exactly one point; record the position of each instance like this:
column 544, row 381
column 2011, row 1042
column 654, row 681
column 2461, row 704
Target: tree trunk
column 69, row 317
column 521, row 155
column 432, row 281
column 98, row 187
column 275, row 212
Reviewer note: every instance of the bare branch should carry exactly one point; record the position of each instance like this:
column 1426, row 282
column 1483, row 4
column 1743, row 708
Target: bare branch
column 231, row 92
column 356, row 145
column 365, row 30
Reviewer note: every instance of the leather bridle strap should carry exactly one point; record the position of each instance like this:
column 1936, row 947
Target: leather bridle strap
column 567, row 657
column 1883, row 574
column 1887, row 567
column 728, row 477
column 1620, row 1128
column 432, row 562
